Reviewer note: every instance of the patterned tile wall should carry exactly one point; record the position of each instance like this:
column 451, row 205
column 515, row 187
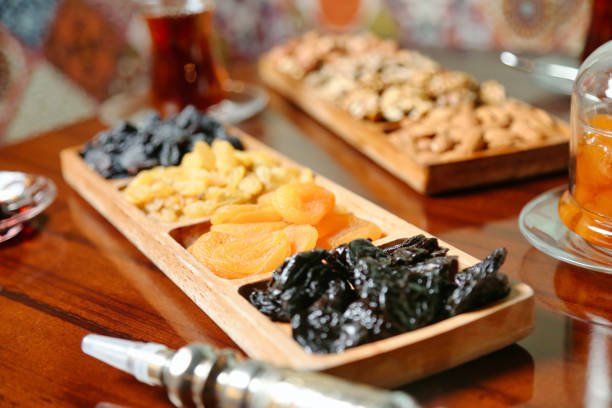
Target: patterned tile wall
column 60, row 58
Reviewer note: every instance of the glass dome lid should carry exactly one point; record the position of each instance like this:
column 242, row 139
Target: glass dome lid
column 594, row 80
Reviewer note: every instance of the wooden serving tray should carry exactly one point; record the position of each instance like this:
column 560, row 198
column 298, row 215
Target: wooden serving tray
column 479, row 168
column 389, row 362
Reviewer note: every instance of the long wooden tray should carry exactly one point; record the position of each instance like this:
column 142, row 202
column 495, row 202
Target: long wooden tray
column 389, row 362
column 479, row 168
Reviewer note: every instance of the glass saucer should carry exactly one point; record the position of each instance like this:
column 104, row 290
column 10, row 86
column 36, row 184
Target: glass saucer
column 540, row 224
column 27, row 194
column 243, row 101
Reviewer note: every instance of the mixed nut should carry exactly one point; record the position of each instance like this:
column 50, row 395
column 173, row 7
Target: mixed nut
column 436, row 113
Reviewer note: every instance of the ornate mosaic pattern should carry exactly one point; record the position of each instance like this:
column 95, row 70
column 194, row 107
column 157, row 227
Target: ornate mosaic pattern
column 28, row 20
column 98, row 44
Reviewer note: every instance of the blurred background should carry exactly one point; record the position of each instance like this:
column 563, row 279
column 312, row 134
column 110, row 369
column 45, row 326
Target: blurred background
column 59, row 59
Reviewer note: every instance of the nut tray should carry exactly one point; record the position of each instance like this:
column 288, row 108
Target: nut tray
column 389, row 362
column 437, row 176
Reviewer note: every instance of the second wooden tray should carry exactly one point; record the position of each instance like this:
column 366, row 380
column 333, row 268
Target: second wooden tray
column 389, row 362
column 480, row 168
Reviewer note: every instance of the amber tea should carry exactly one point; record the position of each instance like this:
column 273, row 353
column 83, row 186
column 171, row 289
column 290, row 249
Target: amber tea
column 185, row 70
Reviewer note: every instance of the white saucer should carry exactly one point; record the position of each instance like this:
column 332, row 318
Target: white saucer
column 541, row 226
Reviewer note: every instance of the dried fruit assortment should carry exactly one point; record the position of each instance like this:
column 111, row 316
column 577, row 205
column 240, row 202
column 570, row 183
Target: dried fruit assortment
column 126, row 149
column 437, row 113
column 207, row 178
column 250, row 239
column 358, row 292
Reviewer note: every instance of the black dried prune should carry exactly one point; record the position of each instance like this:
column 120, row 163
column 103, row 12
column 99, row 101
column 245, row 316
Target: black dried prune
column 319, row 326
column 360, row 324
column 480, row 284
column 359, row 293
column 303, row 280
column 268, row 303
column 349, row 254
column 409, row 256
column 417, row 298
column 296, row 284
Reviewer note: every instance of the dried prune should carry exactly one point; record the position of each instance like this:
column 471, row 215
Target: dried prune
column 359, row 293
column 360, row 324
column 127, row 149
column 479, row 285
column 295, row 285
column 316, row 328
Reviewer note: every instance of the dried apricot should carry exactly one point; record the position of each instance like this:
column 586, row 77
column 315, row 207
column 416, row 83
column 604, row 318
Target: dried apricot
column 332, row 223
column 303, row 203
column 202, row 249
column 245, row 213
column 357, row 228
column 232, row 258
column 303, row 237
column 249, row 229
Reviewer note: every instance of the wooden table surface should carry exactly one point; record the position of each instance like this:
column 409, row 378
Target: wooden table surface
column 72, row 273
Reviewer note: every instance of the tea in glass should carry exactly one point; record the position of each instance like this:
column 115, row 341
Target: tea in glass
column 185, row 67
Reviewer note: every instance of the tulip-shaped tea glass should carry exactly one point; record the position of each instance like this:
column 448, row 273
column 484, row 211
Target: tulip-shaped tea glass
column 186, row 68
column 581, row 232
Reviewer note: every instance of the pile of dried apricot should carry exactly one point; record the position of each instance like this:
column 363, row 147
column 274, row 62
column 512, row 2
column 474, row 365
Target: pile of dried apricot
column 248, row 239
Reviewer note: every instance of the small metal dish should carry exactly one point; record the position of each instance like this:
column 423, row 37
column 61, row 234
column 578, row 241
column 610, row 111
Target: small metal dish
column 22, row 197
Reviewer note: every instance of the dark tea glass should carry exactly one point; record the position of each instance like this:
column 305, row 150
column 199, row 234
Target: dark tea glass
column 185, row 67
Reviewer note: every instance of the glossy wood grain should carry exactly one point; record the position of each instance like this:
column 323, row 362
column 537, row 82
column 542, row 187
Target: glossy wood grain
column 72, row 273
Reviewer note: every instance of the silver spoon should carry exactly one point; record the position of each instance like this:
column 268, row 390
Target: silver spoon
column 553, row 73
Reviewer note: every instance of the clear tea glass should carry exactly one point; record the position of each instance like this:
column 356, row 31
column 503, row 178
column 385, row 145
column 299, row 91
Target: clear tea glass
column 586, row 208
column 186, row 69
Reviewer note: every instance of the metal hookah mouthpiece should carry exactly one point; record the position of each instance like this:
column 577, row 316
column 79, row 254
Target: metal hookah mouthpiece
column 199, row 375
